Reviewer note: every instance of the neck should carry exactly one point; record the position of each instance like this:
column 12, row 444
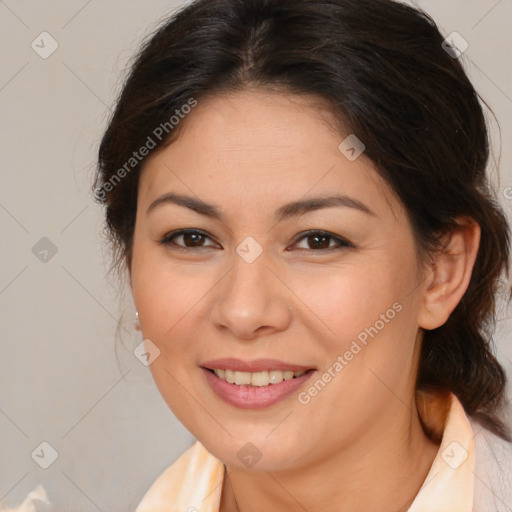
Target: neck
column 382, row 470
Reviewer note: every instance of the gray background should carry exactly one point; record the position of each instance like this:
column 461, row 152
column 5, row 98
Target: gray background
column 60, row 381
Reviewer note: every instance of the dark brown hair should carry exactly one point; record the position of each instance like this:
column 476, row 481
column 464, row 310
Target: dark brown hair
column 382, row 67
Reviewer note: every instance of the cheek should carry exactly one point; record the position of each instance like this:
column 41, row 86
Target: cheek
column 365, row 314
column 167, row 294
column 166, row 299
column 169, row 298
column 344, row 301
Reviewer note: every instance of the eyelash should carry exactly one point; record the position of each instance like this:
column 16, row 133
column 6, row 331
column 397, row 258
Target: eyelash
column 167, row 240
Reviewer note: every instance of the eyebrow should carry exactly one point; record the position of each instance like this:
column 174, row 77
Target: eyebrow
column 292, row 209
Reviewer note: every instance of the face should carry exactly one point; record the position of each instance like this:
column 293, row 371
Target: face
column 329, row 288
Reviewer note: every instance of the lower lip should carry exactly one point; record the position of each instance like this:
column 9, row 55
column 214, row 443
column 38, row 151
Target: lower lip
column 254, row 397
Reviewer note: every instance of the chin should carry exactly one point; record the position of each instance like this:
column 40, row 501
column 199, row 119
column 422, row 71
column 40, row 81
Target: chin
column 258, row 452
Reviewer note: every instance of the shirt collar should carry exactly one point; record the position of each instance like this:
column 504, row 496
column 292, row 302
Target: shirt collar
column 449, row 484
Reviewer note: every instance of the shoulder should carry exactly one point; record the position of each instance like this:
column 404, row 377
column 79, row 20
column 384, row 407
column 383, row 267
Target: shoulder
column 493, row 470
column 185, row 484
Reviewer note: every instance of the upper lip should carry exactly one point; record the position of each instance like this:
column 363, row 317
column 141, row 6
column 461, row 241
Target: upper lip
column 257, row 365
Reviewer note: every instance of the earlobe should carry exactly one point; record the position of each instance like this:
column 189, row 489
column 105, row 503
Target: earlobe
column 449, row 274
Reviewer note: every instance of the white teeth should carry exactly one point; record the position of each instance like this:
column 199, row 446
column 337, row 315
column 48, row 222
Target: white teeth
column 256, row 378
column 259, row 378
column 242, row 378
column 229, row 376
column 275, row 376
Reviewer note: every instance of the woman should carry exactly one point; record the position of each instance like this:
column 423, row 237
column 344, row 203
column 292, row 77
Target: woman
column 297, row 191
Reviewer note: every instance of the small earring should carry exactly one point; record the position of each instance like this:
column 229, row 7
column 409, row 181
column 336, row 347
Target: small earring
column 137, row 324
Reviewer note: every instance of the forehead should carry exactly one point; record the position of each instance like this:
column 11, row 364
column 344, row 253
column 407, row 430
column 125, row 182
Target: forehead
column 259, row 148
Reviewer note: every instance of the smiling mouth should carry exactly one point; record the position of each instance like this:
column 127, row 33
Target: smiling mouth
column 256, row 379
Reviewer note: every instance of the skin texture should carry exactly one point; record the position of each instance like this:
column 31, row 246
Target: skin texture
column 358, row 445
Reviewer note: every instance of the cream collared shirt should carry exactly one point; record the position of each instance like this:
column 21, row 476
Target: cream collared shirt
column 194, row 482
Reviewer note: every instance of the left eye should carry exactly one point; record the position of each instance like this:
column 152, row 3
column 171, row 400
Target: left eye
column 321, row 240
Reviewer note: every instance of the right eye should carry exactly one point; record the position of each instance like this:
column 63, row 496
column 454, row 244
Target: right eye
column 191, row 239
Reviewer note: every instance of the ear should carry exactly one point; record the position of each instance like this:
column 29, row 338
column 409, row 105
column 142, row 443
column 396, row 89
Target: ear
column 449, row 273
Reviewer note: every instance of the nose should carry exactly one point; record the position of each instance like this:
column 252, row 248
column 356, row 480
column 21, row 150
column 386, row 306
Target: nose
column 252, row 300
